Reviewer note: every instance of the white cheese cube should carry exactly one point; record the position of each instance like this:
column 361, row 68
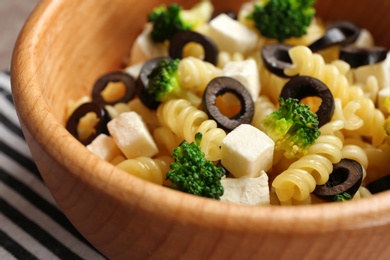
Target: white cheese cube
column 104, row 147
column 232, row 36
column 365, row 39
column 382, row 95
column 246, row 151
column 249, row 191
column 132, row 136
column 247, row 73
column 144, row 48
column 135, row 69
column 380, row 70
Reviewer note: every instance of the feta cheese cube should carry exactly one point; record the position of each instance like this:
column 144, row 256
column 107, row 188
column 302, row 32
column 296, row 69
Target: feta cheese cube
column 246, row 151
column 380, row 70
column 144, row 48
column 249, row 191
column 365, row 39
column 132, row 136
column 135, row 69
column 247, row 73
column 232, row 36
column 104, row 147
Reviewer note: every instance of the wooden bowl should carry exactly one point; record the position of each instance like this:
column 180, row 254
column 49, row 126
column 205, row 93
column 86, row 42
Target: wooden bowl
column 62, row 49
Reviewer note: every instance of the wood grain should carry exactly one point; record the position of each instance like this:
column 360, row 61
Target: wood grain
column 63, row 48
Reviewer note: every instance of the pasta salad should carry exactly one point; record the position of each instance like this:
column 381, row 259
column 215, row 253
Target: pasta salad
column 258, row 107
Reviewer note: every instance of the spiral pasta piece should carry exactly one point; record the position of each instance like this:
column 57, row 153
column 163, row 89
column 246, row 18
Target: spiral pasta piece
column 153, row 170
column 166, row 140
column 185, row 120
column 271, row 85
column 379, row 159
column 195, row 74
column 315, row 31
column 371, row 88
column 117, row 109
column 193, row 49
column 348, row 114
column 344, row 68
column 263, row 107
column 169, row 112
column 212, row 139
column 302, row 176
column 294, row 184
column 224, row 57
column 311, row 64
column 356, row 153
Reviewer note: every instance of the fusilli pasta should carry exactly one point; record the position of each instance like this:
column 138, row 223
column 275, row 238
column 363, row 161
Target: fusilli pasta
column 185, row 120
column 263, row 107
column 271, row 85
column 195, row 74
column 225, row 57
column 166, row 140
column 301, row 178
column 153, row 170
column 309, row 64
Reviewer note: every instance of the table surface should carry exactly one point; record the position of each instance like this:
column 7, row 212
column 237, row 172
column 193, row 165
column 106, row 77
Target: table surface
column 31, row 225
column 13, row 14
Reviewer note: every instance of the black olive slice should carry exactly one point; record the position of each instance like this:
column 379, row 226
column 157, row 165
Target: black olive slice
column 143, row 80
column 116, row 76
column 339, row 32
column 301, row 87
column 220, row 86
column 180, row 39
column 346, row 177
column 276, row 58
column 82, row 110
column 332, row 36
column 356, row 56
column 379, row 185
column 350, row 30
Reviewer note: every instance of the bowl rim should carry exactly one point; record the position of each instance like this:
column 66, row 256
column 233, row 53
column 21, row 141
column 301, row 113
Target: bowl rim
column 321, row 218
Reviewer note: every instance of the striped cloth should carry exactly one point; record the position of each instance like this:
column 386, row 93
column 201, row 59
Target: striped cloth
column 31, row 225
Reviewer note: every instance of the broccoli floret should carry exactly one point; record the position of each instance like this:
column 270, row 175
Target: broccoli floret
column 192, row 173
column 387, row 120
column 282, row 19
column 164, row 81
column 342, row 197
column 293, row 127
column 168, row 21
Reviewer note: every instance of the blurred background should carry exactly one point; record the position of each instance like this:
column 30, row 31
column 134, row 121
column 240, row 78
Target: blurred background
column 13, row 14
